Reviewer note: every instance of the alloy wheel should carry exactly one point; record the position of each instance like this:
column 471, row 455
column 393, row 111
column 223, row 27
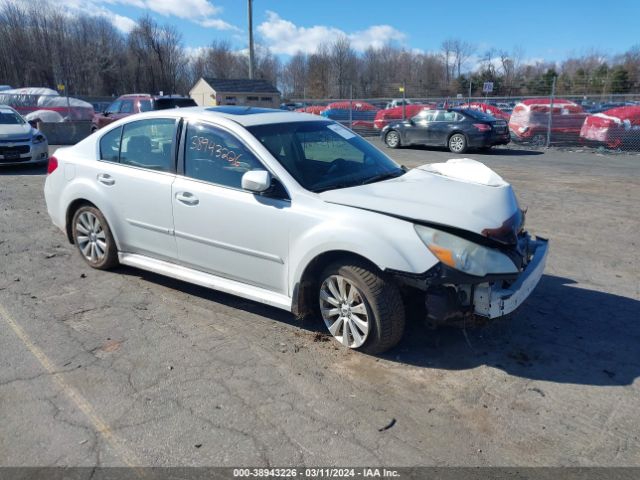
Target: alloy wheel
column 91, row 237
column 456, row 143
column 344, row 311
column 392, row 139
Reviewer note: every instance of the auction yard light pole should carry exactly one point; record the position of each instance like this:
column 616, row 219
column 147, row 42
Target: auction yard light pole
column 250, row 10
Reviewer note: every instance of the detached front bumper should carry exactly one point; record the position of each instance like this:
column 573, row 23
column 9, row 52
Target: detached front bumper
column 492, row 301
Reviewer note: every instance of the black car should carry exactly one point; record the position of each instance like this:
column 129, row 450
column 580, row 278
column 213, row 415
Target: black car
column 172, row 101
column 458, row 129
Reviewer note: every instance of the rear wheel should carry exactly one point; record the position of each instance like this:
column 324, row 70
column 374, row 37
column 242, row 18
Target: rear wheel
column 458, row 143
column 361, row 309
column 392, row 139
column 93, row 237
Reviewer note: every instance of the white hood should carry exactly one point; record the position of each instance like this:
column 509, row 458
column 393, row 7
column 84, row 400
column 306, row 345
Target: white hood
column 461, row 193
column 10, row 132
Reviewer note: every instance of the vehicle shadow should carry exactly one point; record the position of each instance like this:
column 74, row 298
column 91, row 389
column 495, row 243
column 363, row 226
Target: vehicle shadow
column 226, row 299
column 500, row 151
column 563, row 334
column 14, row 170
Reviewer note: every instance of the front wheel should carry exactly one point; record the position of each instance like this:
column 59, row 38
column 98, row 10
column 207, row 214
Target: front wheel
column 93, row 237
column 361, row 309
column 458, row 143
column 392, row 139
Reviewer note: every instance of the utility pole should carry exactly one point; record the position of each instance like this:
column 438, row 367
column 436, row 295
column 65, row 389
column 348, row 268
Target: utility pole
column 250, row 10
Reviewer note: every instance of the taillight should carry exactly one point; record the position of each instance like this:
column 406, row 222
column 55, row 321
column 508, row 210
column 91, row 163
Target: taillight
column 483, row 127
column 53, row 164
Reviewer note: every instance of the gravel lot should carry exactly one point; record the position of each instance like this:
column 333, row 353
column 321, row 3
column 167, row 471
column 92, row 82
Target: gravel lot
column 130, row 368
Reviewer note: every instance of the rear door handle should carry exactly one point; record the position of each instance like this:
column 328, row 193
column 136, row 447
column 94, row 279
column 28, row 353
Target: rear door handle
column 106, row 179
column 187, row 198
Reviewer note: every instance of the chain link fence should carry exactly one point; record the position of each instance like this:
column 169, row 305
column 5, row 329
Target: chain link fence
column 606, row 121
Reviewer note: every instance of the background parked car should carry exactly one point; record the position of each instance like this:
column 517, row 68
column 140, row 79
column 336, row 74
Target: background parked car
column 126, row 105
column 614, row 128
column 384, row 117
column 362, row 112
column 456, row 129
column 530, row 119
column 19, row 141
column 314, row 109
column 489, row 109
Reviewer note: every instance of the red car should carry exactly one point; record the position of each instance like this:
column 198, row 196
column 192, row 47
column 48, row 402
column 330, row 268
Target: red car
column 529, row 121
column 613, row 127
column 126, row 105
column 388, row 115
column 487, row 108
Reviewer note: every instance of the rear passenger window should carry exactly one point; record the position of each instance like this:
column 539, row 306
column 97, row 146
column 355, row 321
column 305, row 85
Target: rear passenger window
column 110, row 145
column 148, row 144
column 216, row 156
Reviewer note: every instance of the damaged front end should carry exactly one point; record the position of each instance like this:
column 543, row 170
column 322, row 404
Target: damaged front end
column 478, row 277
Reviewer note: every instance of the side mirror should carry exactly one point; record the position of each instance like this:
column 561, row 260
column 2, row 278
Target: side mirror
column 256, row 181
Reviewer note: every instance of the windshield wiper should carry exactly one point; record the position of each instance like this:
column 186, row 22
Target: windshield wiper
column 382, row 176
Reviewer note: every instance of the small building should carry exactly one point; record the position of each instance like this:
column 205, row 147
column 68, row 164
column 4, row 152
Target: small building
column 209, row 92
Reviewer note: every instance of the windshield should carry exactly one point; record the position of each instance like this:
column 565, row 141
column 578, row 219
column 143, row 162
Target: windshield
column 9, row 117
column 325, row 155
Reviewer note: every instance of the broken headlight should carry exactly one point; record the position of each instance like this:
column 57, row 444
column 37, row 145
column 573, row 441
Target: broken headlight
column 463, row 255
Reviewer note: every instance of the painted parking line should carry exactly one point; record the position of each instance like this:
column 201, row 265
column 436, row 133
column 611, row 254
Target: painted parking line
column 100, row 426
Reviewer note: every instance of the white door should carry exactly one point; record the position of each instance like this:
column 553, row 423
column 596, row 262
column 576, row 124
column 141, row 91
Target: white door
column 136, row 171
column 219, row 227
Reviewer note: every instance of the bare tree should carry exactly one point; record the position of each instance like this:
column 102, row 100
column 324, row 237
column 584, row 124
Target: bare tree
column 343, row 65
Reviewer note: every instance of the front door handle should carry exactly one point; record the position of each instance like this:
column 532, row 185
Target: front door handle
column 187, row 198
column 106, row 179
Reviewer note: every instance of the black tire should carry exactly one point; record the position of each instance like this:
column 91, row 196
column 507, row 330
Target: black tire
column 392, row 139
column 457, row 143
column 383, row 302
column 110, row 257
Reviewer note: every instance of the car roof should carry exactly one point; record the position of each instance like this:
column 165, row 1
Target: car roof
column 243, row 115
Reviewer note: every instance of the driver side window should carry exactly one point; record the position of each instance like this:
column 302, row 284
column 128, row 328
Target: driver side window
column 214, row 155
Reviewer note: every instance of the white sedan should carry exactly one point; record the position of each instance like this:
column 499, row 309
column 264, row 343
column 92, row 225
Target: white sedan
column 296, row 212
column 20, row 143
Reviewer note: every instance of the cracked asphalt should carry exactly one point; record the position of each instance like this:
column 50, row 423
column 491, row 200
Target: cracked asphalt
column 131, row 368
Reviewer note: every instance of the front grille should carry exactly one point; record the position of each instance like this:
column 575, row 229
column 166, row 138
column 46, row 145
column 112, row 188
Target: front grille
column 18, row 149
column 15, row 140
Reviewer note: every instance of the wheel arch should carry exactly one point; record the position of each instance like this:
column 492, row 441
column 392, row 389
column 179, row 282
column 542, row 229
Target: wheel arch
column 462, row 132
column 302, row 298
column 71, row 211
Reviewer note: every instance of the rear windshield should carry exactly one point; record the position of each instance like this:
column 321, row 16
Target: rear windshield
column 166, row 103
column 478, row 114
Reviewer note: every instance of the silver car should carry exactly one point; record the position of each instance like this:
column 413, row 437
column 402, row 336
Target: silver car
column 20, row 143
